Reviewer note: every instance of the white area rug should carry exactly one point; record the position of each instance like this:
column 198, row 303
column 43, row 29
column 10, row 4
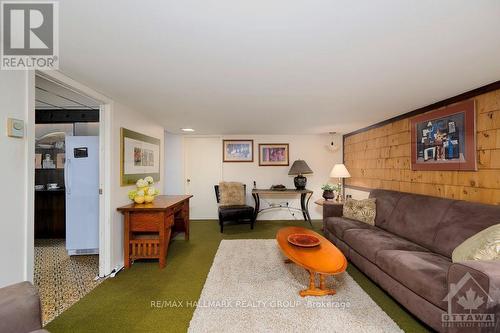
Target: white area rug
column 250, row 289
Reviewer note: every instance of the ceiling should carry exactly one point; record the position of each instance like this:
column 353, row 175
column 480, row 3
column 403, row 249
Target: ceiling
column 279, row 66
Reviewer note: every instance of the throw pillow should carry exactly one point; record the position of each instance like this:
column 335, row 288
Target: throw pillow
column 231, row 193
column 360, row 210
column 485, row 245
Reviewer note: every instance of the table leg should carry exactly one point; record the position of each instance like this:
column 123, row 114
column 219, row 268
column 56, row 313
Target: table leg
column 307, row 210
column 185, row 217
column 168, row 233
column 303, row 205
column 163, row 241
column 312, row 290
column 126, row 240
column 256, row 198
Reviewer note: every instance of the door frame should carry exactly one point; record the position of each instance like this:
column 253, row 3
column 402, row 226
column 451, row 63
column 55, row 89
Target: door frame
column 105, row 164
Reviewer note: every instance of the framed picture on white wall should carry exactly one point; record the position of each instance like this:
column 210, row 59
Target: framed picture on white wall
column 140, row 157
column 237, row 150
column 273, row 154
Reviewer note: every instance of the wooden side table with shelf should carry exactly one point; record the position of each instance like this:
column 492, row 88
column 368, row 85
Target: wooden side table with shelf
column 331, row 207
column 166, row 215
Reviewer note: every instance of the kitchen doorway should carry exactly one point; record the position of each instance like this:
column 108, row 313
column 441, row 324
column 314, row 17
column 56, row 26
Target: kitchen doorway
column 67, row 196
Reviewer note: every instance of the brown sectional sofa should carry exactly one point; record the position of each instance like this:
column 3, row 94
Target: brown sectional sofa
column 408, row 254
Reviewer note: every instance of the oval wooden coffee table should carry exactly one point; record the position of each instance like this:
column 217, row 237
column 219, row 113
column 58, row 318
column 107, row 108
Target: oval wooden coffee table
column 324, row 259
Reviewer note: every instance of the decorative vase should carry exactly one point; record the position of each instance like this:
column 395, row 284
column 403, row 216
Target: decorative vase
column 138, row 199
column 328, row 195
column 300, row 182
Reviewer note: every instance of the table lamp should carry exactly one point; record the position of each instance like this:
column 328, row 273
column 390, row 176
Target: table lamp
column 300, row 168
column 340, row 171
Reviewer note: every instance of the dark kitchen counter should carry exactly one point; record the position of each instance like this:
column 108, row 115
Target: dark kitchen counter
column 50, row 213
column 62, row 189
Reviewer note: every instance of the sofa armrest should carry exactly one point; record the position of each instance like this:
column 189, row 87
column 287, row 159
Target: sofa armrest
column 483, row 278
column 330, row 210
column 20, row 308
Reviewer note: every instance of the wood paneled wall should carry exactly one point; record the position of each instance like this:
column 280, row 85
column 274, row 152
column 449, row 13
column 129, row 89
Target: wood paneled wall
column 380, row 158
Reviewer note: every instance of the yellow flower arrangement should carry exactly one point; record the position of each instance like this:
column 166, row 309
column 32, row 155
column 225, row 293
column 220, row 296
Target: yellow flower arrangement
column 145, row 192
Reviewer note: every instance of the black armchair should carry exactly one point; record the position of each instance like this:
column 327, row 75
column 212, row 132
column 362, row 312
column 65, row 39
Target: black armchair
column 236, row 213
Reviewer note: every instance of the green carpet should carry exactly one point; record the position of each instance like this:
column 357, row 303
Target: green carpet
column 123, row 303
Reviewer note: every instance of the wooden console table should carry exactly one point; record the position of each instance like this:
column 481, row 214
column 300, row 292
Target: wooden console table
column 305, row 196
column 148, row 227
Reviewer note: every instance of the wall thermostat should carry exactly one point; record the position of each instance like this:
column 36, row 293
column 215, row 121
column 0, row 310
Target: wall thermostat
column 15, row 128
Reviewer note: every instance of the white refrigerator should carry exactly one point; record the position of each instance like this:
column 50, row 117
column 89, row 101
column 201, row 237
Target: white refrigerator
column 81, row 177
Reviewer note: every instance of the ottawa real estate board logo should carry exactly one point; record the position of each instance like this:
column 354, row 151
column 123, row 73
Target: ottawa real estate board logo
column 30, row 35
column 469, row 305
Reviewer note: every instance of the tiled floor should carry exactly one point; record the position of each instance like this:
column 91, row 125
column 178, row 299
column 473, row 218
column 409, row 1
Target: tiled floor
column 62, row 280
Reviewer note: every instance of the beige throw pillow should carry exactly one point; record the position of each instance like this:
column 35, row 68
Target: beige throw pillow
column 360, row 210
column 485, row 245
column 231, row 193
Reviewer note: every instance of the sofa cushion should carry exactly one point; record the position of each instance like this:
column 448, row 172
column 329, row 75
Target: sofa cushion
column 368, row 242
column 485, row 245
column 337, row 225
column 417, row 217
column 461, row 221
column 424, row 273
column 360, row 210
column 386, row 202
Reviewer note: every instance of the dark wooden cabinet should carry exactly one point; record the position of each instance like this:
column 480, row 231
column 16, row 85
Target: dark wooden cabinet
column 50, row 214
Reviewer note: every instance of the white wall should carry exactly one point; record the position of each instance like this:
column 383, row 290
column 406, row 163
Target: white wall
column 357, row 194
column 124, row 117
column 311, row 148
column 174, row 164
column 15, row 102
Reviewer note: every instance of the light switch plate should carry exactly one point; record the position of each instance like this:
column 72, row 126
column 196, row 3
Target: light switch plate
column 15, row 128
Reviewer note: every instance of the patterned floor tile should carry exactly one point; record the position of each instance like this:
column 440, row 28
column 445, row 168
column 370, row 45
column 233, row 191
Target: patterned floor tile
column 62, row 280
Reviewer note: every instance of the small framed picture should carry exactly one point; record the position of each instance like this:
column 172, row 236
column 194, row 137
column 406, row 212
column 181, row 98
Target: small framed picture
column 273, row 154
column 237, row 150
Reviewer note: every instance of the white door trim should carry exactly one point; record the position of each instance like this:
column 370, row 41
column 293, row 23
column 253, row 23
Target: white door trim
column 105, row 164
column 29, row 232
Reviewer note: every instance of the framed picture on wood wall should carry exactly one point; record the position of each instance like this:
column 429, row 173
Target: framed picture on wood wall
column 237, row 150
column 445, row 139
column 139, row 158
column 273, row 154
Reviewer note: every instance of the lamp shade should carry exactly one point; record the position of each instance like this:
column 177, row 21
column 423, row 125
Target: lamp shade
column 299, row 167
column 339, row 171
